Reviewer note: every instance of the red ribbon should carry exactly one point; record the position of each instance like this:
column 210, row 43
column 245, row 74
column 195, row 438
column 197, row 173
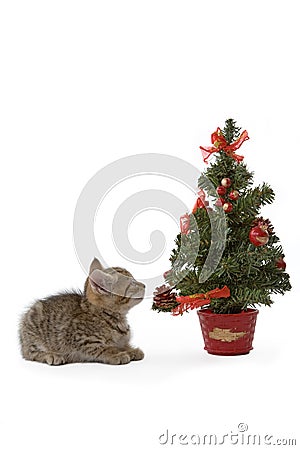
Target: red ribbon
column 185, row 223
column 219, row 143
column 197, row 300
column 200, row 202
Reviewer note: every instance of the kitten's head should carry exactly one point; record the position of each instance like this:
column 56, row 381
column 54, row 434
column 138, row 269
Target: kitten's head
column 113, row 288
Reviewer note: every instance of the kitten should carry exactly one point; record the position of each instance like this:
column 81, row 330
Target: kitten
column 84, row 327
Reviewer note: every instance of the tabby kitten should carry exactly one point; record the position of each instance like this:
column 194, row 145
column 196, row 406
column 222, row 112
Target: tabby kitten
column 84, row 327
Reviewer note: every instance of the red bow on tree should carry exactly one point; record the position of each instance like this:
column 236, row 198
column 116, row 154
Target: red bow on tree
column 198, row 300
column 219, row 143
column 200, row 202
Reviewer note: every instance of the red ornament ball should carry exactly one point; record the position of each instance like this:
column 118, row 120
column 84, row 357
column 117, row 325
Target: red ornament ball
column 227, row 207
column 234, row 195
column 221, row 190
column 226, row 182
column 280, row 263
column 220, row 202
column 258, row 236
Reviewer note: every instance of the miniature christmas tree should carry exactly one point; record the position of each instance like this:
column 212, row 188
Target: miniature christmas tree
column 252, row 266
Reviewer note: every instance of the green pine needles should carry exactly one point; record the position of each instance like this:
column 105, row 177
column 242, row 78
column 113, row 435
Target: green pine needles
column 231, row 132
column 252, row 272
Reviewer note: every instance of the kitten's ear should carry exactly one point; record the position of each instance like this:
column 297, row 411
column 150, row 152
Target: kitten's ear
column 95, row 264
column 102, row 282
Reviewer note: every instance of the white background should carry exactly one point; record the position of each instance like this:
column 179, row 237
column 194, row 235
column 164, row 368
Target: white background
column 83, row 84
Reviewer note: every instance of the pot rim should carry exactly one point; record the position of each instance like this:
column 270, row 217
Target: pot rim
column 208, row 311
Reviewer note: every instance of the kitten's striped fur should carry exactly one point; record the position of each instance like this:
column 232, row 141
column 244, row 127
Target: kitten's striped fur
column 84, row 327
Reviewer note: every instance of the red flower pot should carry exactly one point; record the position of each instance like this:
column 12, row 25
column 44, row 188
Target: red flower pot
column 228, row 334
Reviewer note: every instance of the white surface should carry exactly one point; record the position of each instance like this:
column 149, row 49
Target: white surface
column 83, row 84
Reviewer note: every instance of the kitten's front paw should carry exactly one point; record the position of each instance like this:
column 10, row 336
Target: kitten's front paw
column 137, row 354
column 120, row 358
column 54, row 360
